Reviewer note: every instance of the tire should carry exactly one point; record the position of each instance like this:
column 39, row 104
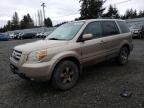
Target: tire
column 65, row 75
column 139, row 36
column 123, row 56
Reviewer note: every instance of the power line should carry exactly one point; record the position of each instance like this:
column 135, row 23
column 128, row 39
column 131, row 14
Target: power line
column 122, row 2
column 119, row 3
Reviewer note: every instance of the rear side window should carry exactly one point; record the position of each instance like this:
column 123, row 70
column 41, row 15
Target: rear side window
column 94, row 28
column 123, row 26
column 109, row 28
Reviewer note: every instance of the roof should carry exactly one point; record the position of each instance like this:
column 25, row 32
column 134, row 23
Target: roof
column 91, row 20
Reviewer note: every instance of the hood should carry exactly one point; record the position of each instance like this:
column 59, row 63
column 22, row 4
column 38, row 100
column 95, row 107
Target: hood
column 134, row 29
column 38, row 45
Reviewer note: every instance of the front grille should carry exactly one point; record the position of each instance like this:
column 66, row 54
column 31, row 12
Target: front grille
column 16, row 55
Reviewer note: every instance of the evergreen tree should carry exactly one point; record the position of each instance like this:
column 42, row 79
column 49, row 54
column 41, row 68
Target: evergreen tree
column 141, row 14
column 27, row 22
column 112, row 12
column 48, row 22
column 135, row 15
column 130, row 13
column 15, row 21
column 91, row 8
column 9, row 26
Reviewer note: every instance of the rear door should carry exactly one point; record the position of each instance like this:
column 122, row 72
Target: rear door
column 111, row 38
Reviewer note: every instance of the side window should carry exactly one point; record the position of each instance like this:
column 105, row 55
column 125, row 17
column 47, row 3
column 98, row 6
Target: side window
column 94, row 28
column 109, row 28
column 123, row 26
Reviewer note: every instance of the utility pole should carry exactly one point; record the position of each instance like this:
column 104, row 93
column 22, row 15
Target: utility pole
column 43, row 6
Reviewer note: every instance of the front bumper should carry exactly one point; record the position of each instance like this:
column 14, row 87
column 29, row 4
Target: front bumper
column 37, row 71
column 136, row 34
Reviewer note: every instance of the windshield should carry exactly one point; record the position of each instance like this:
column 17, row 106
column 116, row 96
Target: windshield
column 66, row 31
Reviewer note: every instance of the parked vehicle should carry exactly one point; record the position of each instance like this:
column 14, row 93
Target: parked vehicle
column 43, row 34
column 16, row 35
column 137, row 31
column 61, row 56
column 12, row 36
column 4, row 37
column 46, row 34
column 38, row 35
column 27, row 36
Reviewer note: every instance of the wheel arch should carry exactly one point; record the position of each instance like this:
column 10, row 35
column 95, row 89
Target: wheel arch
column 127, row 46
column 70, row 58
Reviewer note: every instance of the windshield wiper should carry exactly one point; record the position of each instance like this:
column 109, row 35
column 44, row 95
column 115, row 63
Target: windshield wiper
column 54, row 39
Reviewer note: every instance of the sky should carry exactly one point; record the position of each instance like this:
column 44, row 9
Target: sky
column 57, row 10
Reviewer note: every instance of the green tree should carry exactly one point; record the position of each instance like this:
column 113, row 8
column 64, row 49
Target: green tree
column 15, row 21
column 130, row 13
column 9, row 25
column 112, row 12
column 48, row 22
column 91, row 8
column 141, row 14
column 27, row 22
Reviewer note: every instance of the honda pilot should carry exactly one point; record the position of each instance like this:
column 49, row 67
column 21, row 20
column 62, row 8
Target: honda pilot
column 60, row 57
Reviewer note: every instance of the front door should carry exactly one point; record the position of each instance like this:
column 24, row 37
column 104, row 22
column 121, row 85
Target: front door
column 92, row 50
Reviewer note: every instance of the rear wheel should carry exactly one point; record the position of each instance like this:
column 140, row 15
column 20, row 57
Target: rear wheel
column 123, row 56
column 140, row 36
column 65, row 75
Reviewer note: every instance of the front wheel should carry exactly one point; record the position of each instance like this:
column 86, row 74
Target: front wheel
column 140, row 36
column 123, row 56
column 65, row 75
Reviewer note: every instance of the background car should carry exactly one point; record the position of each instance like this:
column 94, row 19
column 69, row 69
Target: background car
column 27, row 36
column 4, row 37
column 16, row 35
column 11, row 35
column 39, row 35
column 137, row 31
column 46, row 34
column 43, row 34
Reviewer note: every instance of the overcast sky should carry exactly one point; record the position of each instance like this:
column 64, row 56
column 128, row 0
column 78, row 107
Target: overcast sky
column 57, row 10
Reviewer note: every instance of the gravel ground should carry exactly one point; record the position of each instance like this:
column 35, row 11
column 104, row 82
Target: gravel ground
column 99, row 86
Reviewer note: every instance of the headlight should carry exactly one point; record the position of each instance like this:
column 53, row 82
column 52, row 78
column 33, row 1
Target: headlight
column 37, row 56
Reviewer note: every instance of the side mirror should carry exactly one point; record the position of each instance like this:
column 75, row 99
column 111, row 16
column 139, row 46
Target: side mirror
column 87, row 37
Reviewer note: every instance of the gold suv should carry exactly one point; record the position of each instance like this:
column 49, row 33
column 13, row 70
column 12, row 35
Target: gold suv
column 60, row 57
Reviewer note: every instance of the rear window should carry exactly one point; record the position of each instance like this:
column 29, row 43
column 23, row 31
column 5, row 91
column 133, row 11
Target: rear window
column 109, row 28
column 123, row 26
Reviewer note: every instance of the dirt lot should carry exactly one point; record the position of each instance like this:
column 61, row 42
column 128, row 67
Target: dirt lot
column 99, row 86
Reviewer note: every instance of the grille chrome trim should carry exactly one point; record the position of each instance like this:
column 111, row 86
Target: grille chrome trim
column 16, row 55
